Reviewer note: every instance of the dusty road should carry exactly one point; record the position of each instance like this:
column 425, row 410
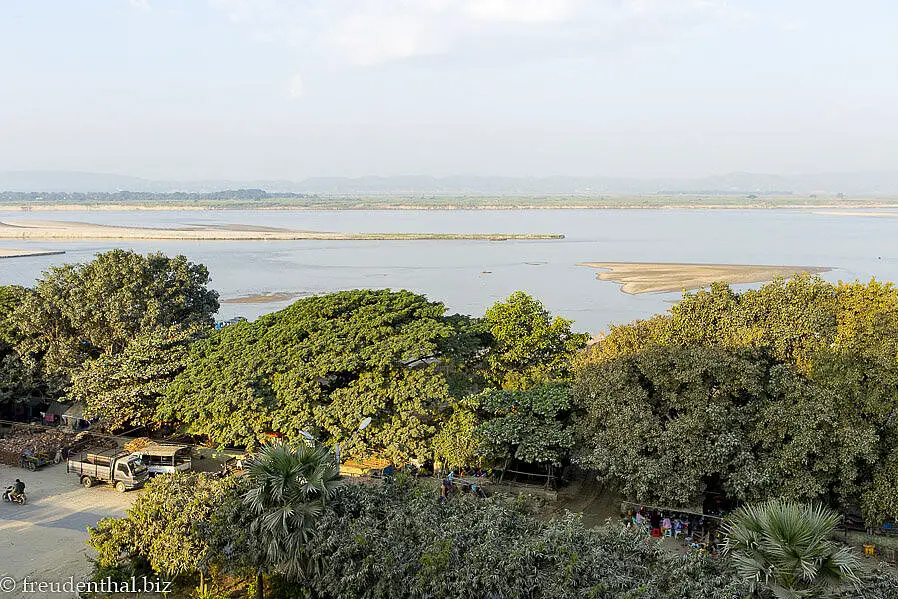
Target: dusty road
column 44, row 540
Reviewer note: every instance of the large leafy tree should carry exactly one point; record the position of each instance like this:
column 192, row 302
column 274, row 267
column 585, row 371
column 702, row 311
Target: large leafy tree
column 172, row 526
column 822, row 420
column 530, row 426
column 78, row 312
column 289, row 487
column 666, row 422
column 785, row 550
column 529, row 346
column 20, row 378
column 122, row 390
column 321, row 366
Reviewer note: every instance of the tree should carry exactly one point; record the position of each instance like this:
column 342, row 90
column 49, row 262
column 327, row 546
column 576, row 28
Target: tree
column 458, row 443
column 529, row 346
column 664, row 423
column 171, row 527
column 397, row 542
column 20, row 378
column 784, row 549
column 530, row 426
column 819, row 423
column 289, row 487
column 122, row 390
column 321, row 366
column 77, row 312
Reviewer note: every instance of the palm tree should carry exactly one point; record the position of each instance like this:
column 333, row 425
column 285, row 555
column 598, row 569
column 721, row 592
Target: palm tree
column 784, row 549
column 289, row 486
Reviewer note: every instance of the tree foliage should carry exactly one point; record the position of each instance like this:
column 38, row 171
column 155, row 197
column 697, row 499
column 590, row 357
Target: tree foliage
column 78, row 312
column 321, row 366
column 20, row 377
column 790, row 390
column 397, row 541
column 529, row 346
column 123, row 389
column 171, row 526
column 530, row 426
column 289, row 487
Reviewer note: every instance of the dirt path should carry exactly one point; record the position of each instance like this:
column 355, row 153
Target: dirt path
column 44, row 540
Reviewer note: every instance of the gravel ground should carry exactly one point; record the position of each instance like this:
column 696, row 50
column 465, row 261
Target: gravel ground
column 44, row 540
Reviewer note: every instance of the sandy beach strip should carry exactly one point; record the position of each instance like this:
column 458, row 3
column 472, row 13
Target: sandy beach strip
column 265, row 297
column 659, row 277
column 11, row 253
column 78, row 230
column 884, row 214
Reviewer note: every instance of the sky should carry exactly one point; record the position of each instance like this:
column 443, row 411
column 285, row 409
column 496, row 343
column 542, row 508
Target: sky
column 290, row 89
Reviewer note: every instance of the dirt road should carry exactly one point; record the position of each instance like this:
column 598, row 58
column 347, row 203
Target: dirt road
column 44, row 540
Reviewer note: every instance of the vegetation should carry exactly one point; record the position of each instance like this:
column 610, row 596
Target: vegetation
column 289, row 487
column 79, row 313
column 171, row 529
column 529, row 346
column 244, row 199
column 785, row 548
column 324, row 364
column 788, row 391
column 123, row 390
column 530, row 426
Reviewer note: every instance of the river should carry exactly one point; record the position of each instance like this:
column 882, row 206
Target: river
column 469, row 275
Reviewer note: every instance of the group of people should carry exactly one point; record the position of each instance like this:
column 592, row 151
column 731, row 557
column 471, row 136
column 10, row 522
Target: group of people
column 448, row 484
column 661, row 524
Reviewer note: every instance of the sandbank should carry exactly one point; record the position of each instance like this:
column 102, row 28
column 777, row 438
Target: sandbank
column 885, row 214
column 9, row 253
column 659, row 277
column 265, row 297
column 79, row 230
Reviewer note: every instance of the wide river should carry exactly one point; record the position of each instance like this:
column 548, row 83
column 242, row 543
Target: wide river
column 468, row 275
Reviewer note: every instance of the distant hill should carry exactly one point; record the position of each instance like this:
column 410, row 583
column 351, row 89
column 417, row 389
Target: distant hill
column 872, row 183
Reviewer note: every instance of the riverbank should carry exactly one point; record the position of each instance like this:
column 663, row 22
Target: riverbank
column 78, row 230
column 658, row 277
column 13, row 253
column 561, row 202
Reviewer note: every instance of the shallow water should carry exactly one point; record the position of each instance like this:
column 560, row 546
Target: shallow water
column 469, row 275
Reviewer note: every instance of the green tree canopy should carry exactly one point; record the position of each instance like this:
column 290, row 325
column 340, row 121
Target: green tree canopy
column 123, row 389
column 172, row 526
column 530, row 426
column 788, row 390
column 529, row 346
column 321, row 366
column 77, row 312
column 20, row 377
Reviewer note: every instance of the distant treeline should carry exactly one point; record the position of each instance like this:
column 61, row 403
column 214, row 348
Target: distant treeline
column 140, row 197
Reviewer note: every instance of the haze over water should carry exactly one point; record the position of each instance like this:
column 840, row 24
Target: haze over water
column 468, row 276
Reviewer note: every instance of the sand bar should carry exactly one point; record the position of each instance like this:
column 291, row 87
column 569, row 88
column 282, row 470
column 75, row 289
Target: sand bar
column 884, row 214
column 78, row 230
column 659, row 277
column 265, row 297
column 9, row 253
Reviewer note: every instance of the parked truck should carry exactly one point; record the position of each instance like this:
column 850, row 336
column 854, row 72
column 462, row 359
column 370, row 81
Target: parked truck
column 116, row 467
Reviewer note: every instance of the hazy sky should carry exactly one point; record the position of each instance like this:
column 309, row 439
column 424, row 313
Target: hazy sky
column 243, row 89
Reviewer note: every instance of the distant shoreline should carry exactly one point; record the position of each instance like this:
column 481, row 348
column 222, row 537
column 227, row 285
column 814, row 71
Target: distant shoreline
column 11, row 253
column 63, row 230
column 831, row 208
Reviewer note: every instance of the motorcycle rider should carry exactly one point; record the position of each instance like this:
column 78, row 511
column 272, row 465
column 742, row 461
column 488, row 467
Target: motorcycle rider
column 18, row 490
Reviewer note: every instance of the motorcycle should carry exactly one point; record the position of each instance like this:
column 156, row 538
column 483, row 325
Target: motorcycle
column 10, row 496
